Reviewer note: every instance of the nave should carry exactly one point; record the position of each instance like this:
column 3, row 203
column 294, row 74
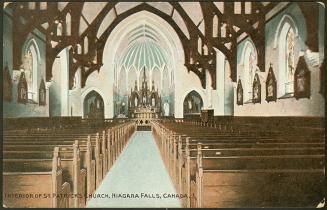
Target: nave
column 139, row 171
column 233, row 93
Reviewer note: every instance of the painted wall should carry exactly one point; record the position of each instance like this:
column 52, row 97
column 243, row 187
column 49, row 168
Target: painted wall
column 290, row 106
column 13, row 109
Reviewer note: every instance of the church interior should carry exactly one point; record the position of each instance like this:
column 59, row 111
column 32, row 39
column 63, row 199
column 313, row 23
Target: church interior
column 163, row 104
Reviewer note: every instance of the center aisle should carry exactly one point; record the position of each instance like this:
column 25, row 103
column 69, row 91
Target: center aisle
column 139, row 172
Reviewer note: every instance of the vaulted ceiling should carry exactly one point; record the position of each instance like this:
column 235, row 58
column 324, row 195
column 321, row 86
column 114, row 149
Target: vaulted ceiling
column 201, row 27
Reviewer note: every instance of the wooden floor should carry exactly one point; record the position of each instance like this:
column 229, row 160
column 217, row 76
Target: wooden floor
column 139, row 172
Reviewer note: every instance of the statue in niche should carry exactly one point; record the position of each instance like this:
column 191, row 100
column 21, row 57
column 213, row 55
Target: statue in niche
column 144, row 100
column 166, row 108
column 271, row 85
column 7, row 85
column 239, row 93
column 122, row 108
column 302, row 80
column 92, row 110
column 22, row 89
column 135, row 101
column 42, row 93
column 153, row 101
column 256, row 97
column 190, row 105
column 98, row 104
column 270, row 89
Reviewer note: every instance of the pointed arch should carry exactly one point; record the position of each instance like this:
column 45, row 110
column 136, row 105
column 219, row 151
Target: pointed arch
column 86, row 92
column 30, row 64
column 285, row 19
column 286, row 42
column 249, row 61
column 192, row 103
column 93, row 105
column 34, row 43
column 215, row 26
column 68, row 24
column 86, row 44
column 59, row 29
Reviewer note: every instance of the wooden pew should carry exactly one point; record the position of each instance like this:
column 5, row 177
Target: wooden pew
column 168, row 149
column 292, row 181
column 125, row 131
column 71, row 172
column 42, row 188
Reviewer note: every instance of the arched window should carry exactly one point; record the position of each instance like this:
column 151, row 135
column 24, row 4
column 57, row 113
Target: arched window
column 30, row 67
column 200, row 45
column 237, row 8
column 288, row 51
column 215, row 26
column 248, row 7
column 79, row 49
column 249, row 68
column 43, row 5
column 59, row 29
column 223, row 30
column 290, row 61
column 68, row 24
column 31, row 5
column 86, row 45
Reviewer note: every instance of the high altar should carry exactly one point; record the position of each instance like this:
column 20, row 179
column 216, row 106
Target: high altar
column 144, row 104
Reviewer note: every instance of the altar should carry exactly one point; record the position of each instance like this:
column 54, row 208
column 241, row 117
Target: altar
column 144, row 104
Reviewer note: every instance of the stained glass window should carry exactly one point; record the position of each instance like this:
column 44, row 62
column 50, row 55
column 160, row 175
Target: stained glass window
column 290, row 60
column 251, row 69
column 28, row 67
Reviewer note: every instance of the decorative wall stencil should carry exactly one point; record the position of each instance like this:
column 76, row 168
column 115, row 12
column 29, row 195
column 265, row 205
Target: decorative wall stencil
column 22, row 89
column 302, row 78
column 42, row 93
column 271, row 85
column 7, row 85
column 239, row 91
column 256, row 91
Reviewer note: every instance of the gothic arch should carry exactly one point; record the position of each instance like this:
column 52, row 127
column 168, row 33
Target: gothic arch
column 197, row 90
column 112, row 45
column 286, row 24
column 192, row 103
column 247, row 71
column 27, row 44
column 31, row 46
column 89, row 90
column 93, row 105
column 285, row 19
column 248, row 44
